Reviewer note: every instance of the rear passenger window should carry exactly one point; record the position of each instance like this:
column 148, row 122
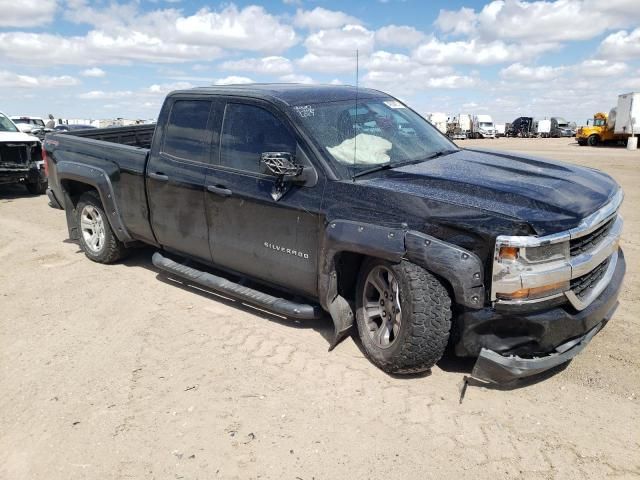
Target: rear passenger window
column 248, row 131
column 186, row 135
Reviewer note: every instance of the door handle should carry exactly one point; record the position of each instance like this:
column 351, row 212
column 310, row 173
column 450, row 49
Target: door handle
column 159, row 176
column 221, row 191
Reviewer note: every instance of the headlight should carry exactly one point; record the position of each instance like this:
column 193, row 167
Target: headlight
column 530, row 271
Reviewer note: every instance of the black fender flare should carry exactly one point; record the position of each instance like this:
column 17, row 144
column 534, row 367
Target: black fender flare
column 462, row 269
column 100, row 180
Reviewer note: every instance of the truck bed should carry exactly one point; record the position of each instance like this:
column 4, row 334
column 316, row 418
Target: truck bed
column 116, row 157
column 135, row 136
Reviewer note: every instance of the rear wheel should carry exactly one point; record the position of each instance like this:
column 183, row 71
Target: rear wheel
column 593, row 140
column 403, row 316
column 96, row 236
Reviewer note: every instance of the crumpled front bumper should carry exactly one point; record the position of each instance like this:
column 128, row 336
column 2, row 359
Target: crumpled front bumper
column 495, row 368
column 512, row 345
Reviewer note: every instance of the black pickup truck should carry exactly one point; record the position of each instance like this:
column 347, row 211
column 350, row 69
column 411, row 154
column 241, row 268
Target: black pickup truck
column 328, row 198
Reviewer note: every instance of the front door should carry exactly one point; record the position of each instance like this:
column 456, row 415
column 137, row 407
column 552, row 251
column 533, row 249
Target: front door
column 176, row 176
column 250, row 232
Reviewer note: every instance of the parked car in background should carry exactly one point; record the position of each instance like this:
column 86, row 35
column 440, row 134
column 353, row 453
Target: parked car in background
column 500, row 129
column 560, row 128
column 21, row 158
column 33, row 125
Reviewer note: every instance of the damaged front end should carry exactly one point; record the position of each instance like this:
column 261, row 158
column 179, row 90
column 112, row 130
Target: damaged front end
column 550, row 297
column 20, row 162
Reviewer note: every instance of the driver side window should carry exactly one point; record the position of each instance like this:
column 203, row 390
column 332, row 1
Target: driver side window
column 248, row 131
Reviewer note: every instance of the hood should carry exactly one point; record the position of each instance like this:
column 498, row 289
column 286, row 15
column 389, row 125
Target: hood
column 549, row 196
column 10, row 137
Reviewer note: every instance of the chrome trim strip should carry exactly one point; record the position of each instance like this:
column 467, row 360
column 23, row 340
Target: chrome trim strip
column 599, row 218
column 586, row 226
column 582, row 303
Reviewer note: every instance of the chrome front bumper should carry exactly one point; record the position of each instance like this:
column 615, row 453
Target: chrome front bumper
column 568, row 269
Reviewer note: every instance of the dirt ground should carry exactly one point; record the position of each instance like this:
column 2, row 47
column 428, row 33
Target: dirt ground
column 111, row 372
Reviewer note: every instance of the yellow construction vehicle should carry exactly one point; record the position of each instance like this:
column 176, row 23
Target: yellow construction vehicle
column 600, row 131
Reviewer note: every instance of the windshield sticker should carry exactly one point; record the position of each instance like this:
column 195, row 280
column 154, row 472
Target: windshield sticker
column 394, row 104
column 305, row 111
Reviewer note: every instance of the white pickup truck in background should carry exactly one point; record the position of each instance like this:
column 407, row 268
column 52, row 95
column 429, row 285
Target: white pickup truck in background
column 21, row 158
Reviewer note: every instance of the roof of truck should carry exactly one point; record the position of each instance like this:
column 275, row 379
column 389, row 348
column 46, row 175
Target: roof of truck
column 289, row 93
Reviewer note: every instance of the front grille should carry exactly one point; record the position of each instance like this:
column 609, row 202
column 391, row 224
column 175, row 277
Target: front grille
column 588, row 242
column 13, row 154
column 581, row 285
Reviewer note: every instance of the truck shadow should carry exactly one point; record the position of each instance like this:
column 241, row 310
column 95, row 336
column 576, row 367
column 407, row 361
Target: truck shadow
column 15, row 190
column 141, row 257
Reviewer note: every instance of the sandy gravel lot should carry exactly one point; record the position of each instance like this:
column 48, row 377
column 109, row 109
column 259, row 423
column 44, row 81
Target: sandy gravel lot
column 111, row 372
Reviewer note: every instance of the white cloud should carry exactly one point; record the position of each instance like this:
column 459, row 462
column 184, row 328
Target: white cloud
column 233, row 80
column 102, row 95
column 251, row 28
column 343, row 42
column 417, row 79
column 600, row 68
column 26, row 13
column 93, row 72
column 15, row 80
column 165, row 88
column 621, row 45
column 321, row 18
column 296, row 78
column 549, row 21
column 475, row 52
column 327, row 63
column 399, row 36
column 123, row 35
column 517, row 71
column 269, row 65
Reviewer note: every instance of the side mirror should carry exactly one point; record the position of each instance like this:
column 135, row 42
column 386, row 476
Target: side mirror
column 281, row 164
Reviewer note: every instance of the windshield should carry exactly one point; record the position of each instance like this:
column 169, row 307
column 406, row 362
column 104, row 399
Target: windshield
column 562, row 122
column 380, row 131
column 486, row 124
column 598, row 122
column 6, row 125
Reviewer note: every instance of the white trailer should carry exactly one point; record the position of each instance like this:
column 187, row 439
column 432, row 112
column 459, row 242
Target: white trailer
column 542, row 128
column 464, row 121
column 627, row 116
column 500, row 129
column 438, row 120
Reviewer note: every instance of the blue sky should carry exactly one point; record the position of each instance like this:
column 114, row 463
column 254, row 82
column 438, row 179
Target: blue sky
column 106, row 59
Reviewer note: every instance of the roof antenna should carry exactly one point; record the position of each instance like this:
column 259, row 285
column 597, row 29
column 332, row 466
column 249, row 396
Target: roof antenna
column 355, row 130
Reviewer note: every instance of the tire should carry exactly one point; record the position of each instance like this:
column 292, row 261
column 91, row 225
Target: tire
column 37, row 188
column 593, row 140
column 417, row 336
column 97, row 239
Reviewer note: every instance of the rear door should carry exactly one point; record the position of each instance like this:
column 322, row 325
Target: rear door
column 176, row 176
column 250, row 232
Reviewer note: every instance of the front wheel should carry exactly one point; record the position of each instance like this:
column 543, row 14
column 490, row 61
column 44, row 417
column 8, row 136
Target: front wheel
column 593, row 140
column 403, row 316
column 97, row 239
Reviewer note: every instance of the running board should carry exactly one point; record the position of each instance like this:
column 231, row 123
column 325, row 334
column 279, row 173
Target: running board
column 277, row 305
